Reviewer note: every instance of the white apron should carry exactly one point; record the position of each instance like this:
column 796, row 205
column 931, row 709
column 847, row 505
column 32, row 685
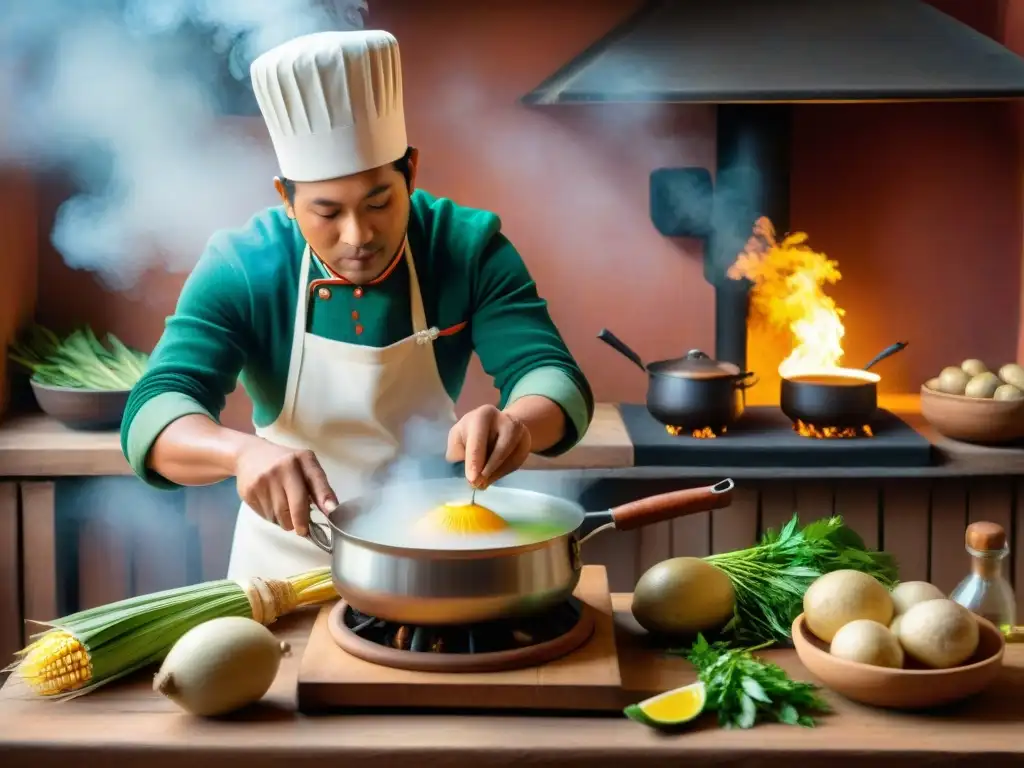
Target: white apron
column 349, row 405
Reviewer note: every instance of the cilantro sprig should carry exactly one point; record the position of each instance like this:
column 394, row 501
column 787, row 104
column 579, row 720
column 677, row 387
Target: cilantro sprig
column 744, row 690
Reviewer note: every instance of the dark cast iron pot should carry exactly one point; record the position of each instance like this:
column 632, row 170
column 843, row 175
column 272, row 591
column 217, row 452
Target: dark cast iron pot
column 845, row 398
column 690, row 392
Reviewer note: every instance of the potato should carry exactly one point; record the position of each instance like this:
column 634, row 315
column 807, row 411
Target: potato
column 1007, row 392
column 1012, row 373
column 894, row 625
column 867, row 642
column 910, row 593
column 953, row 381
column 973, row 367
column 837, row 598
column 982, row 386
column 939, row 633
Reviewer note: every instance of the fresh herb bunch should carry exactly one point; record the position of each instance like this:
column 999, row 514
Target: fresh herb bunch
column 770, row 579
column 80, row 360
column 744, row 690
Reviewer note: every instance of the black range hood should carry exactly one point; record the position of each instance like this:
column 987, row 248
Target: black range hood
column 743, row 51
column 755, row 58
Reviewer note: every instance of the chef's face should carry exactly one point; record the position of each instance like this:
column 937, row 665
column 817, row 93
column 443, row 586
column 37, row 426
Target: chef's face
column 356, row 224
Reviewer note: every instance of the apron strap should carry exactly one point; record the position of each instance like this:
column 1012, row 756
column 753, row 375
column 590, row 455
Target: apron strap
column 298, row 335
column 419, row 315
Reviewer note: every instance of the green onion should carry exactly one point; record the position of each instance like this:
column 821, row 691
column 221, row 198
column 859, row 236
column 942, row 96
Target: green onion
column 79, row 361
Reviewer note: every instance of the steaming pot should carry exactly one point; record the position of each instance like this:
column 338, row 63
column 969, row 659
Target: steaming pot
column 465, row 586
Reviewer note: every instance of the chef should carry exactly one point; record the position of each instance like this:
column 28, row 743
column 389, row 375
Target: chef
column 346, row 312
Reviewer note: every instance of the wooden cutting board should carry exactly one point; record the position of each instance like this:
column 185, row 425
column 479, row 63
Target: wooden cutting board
column 587, row 679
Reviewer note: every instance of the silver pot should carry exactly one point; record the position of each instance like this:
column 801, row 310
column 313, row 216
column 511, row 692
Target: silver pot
column 464, row 586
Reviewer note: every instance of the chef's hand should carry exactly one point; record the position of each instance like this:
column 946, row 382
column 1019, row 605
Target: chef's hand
column 492, row 444
column 280, row 484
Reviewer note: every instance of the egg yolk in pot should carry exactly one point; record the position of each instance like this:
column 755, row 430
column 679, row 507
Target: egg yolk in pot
column 462, row 517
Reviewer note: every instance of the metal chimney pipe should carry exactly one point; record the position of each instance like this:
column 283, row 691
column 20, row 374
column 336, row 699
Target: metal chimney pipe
column 751, row 180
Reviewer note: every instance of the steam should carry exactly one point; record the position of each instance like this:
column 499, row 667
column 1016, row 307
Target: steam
column 420, row 478
column 114, row 92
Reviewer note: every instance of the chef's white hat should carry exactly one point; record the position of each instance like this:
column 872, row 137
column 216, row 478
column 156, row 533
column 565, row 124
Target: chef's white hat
column 332, row 102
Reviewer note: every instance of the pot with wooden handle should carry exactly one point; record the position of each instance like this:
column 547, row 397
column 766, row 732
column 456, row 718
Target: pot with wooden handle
column 432, row 586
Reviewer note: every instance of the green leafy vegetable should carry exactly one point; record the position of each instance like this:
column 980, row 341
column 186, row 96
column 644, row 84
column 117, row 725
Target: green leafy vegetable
column 770, row 579
column 80, row 360
column 744, row 690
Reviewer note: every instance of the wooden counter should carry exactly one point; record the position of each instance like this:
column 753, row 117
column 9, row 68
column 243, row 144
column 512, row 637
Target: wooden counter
column 127, row 725
column 36, row 446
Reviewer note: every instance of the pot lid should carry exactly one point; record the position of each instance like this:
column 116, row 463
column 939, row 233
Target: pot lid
column 695, row 365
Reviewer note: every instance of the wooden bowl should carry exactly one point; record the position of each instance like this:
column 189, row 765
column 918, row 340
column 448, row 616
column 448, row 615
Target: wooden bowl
column 914, row 688
column 973, row 419
column 85, row 409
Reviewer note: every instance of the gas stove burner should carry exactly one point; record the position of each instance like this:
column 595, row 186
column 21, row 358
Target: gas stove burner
column 486, row 647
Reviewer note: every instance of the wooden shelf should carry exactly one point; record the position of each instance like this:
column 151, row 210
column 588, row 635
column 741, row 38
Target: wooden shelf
column 37, row 446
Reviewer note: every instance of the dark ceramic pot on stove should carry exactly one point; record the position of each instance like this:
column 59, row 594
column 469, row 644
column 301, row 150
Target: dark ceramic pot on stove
column 691, row 392
column 845, row 398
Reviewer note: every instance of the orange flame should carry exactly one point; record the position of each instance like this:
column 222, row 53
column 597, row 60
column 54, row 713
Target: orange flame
column 704, row 433
column 831, row 433
column 788, row 292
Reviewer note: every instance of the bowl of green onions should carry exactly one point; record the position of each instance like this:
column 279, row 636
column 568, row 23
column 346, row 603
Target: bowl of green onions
column 79, row 380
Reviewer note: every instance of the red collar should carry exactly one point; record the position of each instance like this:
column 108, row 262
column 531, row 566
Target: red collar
column 336, row 278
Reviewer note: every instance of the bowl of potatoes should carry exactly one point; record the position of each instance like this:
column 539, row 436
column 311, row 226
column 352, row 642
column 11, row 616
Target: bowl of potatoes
column 911, row 648
column 972, row 403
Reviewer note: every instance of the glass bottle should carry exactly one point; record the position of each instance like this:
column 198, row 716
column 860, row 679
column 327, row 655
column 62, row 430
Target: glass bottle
column 985, row 591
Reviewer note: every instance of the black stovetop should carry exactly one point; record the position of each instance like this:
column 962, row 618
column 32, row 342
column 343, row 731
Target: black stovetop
column 764, row 437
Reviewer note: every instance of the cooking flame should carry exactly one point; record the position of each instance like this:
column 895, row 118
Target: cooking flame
column 788, row 292
column 704, row 433
column 831, row 433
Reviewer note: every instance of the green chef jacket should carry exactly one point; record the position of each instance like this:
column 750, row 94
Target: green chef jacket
column 234, row 321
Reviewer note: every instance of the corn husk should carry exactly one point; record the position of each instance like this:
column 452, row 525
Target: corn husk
column 83, row 651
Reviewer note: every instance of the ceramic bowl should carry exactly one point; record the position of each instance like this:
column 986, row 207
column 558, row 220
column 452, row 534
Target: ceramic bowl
column 972, row 419
column 902, row 688
column 84, row 409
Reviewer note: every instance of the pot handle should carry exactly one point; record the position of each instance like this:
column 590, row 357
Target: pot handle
column 621, row 347
column 747, row 380
column 669, row 506
column 320, row 535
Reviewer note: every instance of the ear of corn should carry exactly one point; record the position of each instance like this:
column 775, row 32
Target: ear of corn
column 85, row 650
column 56, row 663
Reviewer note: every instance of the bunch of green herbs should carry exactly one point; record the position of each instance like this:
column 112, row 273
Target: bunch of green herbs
column 770, row 579
column 79, row 360
column 744, row 690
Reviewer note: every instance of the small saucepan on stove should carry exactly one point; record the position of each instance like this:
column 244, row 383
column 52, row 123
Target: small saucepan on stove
column 690, row 392
column 838, row 397
column 387, row 577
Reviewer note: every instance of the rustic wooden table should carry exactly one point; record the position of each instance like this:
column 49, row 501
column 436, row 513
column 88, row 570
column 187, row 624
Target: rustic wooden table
column 126, row 726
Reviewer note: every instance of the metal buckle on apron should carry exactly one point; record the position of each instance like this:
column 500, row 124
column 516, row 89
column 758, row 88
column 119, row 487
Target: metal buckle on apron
column 427, row 336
